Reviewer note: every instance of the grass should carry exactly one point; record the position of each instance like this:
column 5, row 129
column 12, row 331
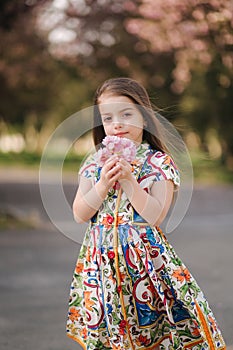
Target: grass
column 32, row 160
column 10, row 221
column 210, row 171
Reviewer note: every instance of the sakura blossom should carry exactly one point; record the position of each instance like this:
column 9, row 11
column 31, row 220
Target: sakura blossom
column 196, row 30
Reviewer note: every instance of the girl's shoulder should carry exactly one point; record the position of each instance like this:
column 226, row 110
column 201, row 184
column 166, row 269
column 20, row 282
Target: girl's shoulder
column 88, row 166
column 164, row 166
column 160, row 158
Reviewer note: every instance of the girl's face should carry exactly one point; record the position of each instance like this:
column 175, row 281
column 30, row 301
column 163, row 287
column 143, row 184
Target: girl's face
column 120, row 117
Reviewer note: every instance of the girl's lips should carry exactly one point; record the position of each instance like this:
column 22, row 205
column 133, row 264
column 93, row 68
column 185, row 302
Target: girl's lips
column 121, row 134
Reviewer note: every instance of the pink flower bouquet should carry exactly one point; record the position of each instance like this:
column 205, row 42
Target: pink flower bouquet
column 120, row 146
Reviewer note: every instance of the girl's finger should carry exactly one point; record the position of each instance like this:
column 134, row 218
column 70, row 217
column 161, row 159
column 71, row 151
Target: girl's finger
column 112, row 158
column 115, row 177
column 110, row 162
column 123, row 161
column 124, row 166
column 112, row 171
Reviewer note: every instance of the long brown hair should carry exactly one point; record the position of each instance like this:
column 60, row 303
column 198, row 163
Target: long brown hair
column 138, row 95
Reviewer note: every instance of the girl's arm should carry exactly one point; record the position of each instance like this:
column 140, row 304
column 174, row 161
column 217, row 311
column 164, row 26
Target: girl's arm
column 89, row 198
column 152, row 207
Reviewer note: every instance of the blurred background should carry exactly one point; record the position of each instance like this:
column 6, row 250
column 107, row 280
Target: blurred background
column 53, row 55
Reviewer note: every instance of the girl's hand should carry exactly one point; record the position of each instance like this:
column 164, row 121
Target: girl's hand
column 125, row 171
column 110, row 172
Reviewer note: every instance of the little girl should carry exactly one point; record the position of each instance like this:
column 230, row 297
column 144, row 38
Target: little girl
column 130, row 290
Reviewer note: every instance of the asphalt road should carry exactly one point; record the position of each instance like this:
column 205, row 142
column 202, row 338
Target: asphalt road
column 37, row 264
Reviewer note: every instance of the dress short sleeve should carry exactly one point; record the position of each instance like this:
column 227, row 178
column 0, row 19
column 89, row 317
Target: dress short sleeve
column 163, row 168
column 87, row 168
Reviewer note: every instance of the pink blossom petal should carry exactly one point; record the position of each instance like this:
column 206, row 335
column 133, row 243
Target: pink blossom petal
column 121, row 146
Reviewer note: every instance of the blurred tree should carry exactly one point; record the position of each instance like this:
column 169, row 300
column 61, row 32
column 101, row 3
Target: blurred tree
column 55, row 53
column 37, row 91
column 183, row 49
column 91, row 35
column 24, row 63
column 200, row 36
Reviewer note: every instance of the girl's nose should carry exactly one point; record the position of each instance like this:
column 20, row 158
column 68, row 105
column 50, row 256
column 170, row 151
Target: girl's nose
column 117, row 125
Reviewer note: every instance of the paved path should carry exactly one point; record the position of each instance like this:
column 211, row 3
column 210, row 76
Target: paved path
column 37, row 264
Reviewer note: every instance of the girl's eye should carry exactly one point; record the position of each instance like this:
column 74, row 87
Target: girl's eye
column 127, row 115
column 107, row 119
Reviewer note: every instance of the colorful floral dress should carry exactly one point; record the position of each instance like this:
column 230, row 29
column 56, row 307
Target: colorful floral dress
column 130, row 290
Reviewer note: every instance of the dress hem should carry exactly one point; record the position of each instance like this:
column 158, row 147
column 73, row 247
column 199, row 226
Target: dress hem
column 193, row 343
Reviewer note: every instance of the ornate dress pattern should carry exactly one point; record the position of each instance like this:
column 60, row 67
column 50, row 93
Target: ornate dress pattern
column 130, row 290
